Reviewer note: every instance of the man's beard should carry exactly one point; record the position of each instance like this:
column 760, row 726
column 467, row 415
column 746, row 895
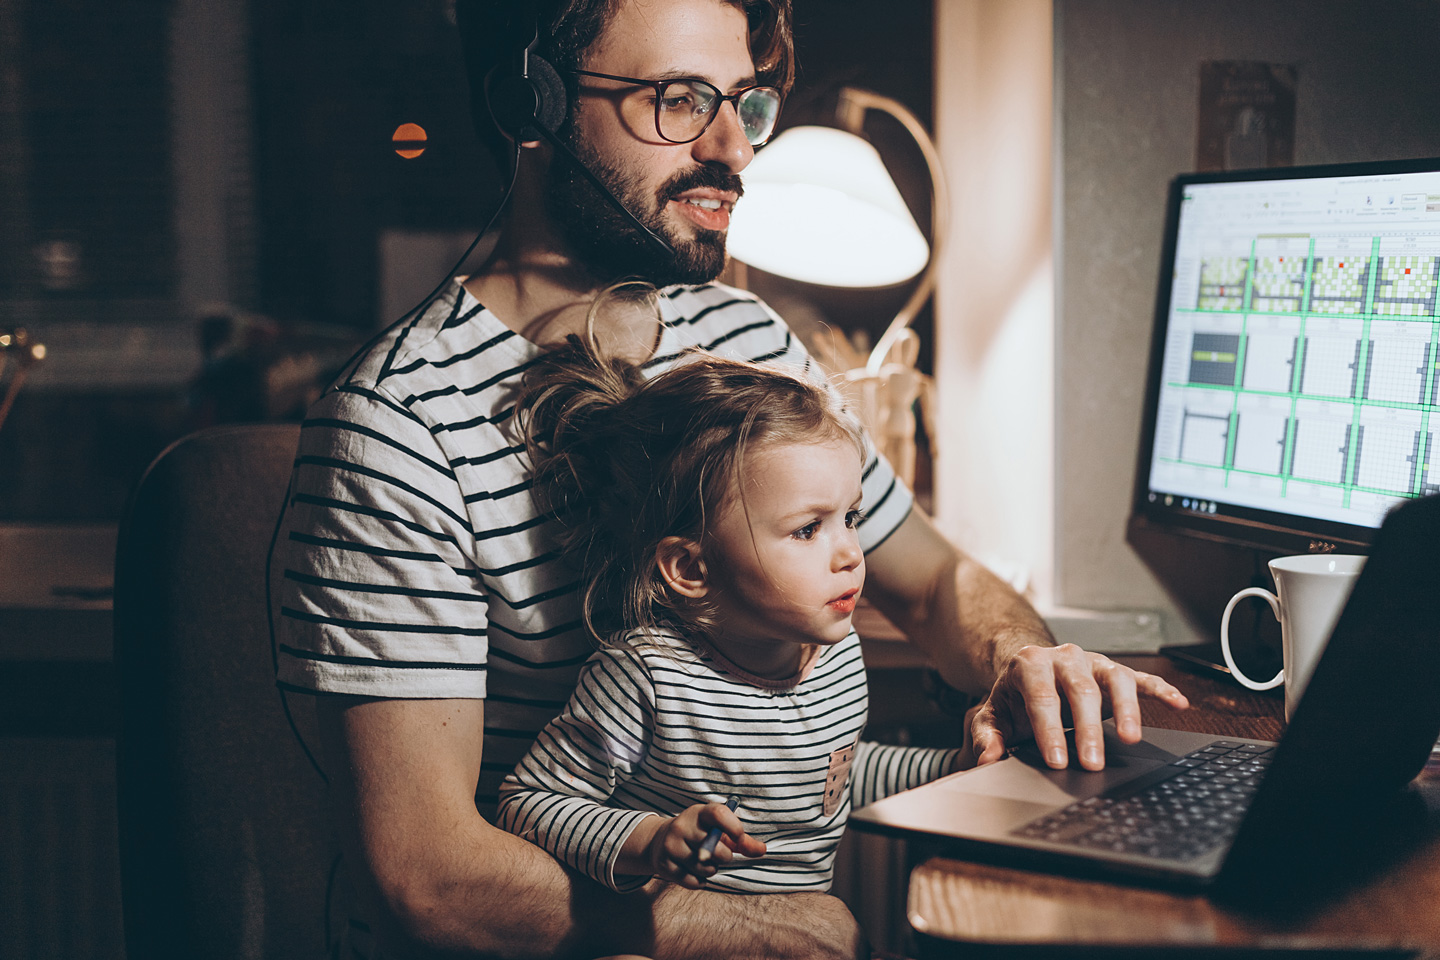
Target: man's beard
column 608, row 244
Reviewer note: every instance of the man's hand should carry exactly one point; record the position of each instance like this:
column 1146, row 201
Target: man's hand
column 1042, row 690
column 673, row 849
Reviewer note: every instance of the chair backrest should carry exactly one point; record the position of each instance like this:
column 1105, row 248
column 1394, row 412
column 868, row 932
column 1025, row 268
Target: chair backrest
column 225, row 851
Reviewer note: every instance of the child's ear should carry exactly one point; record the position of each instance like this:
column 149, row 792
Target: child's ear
column 682, row 567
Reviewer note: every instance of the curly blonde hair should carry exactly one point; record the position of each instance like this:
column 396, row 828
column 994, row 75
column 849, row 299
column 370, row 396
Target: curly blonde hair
column 624, row 462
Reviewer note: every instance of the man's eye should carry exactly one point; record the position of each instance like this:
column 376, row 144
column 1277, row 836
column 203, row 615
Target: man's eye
column 853, row 518
column 806, row 532
column 677, row 104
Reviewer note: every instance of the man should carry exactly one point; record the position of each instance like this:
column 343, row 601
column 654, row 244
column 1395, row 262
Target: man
column 423, row 589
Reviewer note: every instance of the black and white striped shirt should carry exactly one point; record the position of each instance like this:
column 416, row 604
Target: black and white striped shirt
column 415, row 563
column 657, row 725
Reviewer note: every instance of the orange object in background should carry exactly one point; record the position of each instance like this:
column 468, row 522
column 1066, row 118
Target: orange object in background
column 409, row 140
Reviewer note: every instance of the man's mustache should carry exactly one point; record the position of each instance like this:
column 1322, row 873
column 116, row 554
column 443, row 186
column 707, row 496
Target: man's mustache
column 703, row 176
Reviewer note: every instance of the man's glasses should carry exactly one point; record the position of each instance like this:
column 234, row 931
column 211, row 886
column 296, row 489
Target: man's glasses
column 685, row 108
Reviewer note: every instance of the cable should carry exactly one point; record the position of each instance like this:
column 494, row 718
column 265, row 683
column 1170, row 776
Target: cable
column 445, row 280
column 274, row 645
column 504, row 202
column 280, row 519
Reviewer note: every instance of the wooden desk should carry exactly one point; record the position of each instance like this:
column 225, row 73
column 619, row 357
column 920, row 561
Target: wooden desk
column 973, row 910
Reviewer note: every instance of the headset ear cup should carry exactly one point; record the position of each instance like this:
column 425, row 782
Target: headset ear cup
column 518, row 104
column 552, row 102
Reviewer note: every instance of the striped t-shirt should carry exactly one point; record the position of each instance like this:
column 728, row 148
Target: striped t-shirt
column 414, row 561
column 657, row 725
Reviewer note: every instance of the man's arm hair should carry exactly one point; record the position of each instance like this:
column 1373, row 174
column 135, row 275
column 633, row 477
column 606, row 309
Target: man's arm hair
column 437, row 879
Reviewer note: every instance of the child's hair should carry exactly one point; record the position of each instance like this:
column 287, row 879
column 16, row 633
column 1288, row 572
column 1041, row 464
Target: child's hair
column 624, row 462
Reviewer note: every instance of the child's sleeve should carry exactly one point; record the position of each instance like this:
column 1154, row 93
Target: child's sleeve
column 557, row 795
column 880, row 770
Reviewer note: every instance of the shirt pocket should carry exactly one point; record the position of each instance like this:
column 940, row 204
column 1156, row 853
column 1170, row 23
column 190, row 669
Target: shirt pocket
column 837, row 777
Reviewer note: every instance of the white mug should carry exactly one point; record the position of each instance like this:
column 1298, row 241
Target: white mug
column 1312, row 591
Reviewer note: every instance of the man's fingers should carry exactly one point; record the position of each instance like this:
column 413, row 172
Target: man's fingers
column 1044, row 688
column 1152, row 686
column 1040, row 689
column 1120, row 684
column 1125, row 687
column 1076, row 676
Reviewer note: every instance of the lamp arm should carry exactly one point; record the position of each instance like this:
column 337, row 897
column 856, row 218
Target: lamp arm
column 850, row 112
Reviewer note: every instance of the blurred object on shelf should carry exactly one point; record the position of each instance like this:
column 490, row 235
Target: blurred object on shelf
column 16, row 344
column 255, row 370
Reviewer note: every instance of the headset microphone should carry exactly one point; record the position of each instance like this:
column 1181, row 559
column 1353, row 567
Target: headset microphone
column 605, row 191
column 527, row 99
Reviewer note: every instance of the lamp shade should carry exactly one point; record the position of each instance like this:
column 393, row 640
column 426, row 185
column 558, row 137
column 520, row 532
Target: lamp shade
column 820, row 207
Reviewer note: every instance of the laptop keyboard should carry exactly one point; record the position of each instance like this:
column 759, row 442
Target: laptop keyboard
column 1177, row 812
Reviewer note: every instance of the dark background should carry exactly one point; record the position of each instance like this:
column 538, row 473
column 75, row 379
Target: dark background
column 194, row 200
column 284, row 121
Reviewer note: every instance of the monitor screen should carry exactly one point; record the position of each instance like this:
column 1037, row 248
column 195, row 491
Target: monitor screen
column 1292, row 396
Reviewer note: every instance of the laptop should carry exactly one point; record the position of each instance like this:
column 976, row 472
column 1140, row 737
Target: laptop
column 1193, row 810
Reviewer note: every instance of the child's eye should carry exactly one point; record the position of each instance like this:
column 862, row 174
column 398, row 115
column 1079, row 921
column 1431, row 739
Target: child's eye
column 853, row 518
column 806, row 532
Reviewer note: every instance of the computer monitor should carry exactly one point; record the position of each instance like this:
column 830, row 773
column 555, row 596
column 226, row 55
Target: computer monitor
column 1293, row 395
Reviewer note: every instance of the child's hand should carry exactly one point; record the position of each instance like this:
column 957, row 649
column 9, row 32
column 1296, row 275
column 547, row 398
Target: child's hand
column 674, row 851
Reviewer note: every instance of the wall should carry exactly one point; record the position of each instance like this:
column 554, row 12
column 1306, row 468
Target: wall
column 993, row 298
column 1127, row 76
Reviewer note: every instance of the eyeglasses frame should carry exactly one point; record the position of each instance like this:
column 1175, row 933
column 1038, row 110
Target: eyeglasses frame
column 659, row 87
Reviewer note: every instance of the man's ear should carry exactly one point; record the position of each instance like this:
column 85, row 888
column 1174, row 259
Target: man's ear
column 681, row 567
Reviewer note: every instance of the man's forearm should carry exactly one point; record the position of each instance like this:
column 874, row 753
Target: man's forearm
column 966, row 619
column 976, row 630
column 994, row 621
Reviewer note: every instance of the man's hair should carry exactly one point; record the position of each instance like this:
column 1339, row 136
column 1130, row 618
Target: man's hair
column 568, row 28
column 624, row 462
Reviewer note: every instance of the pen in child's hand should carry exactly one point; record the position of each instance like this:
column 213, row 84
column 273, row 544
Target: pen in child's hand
column 707, row 846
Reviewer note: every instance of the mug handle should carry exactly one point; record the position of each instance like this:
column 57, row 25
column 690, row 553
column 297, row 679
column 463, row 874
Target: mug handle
column 1245, row 681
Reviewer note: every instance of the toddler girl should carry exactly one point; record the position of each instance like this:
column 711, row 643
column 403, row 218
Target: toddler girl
column 712, row 511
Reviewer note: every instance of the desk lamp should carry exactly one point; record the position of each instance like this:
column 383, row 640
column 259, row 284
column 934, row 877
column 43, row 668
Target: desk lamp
column 821, row 208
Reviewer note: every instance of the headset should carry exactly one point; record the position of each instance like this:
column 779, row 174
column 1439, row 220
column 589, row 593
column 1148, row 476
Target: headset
column 519, row 93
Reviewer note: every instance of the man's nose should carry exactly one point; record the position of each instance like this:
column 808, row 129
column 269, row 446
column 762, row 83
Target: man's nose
column 724, row 141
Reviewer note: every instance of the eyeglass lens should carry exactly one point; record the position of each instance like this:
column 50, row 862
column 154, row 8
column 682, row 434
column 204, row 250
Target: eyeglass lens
column 686, row 106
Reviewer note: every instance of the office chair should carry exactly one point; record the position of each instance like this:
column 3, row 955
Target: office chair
column 225, row 848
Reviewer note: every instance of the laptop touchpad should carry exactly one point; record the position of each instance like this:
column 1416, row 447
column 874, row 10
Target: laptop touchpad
column 1023, row 777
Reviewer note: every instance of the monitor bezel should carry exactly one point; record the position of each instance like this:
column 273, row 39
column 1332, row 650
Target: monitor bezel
column 1263, row 530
